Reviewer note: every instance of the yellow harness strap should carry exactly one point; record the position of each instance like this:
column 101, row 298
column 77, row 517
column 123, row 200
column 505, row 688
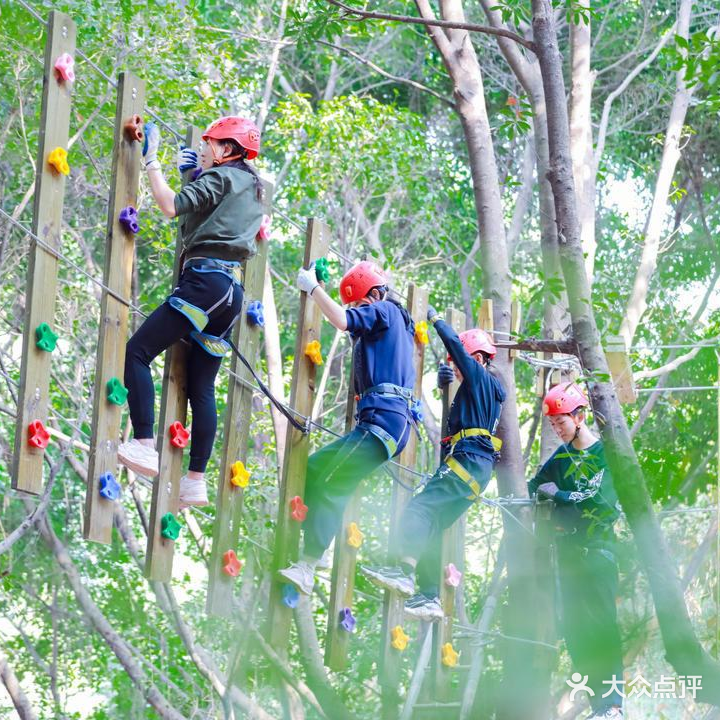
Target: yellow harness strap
column 465, row 476
column 475, row 432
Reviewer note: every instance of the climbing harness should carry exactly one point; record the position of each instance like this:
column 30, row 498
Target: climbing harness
column 453, row 440
column 392, row 390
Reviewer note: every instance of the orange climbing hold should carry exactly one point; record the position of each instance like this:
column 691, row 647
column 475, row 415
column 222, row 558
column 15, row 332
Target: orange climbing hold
column 57, row 159
column 354, row 536
column 421, row 333
column 239, row 474
column 179, row 436
column 231, row 565
column 399, row 639
column 38, row 436
column 449, row 655
column 298, row 509
column 312, row 350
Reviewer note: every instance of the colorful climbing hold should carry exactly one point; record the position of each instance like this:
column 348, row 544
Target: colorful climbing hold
column 134, row 129
column 399, row 639
column 57, row 159
column 298, row 509
column 45, row 338
column 239, row 474
column 38, row 436
column 421, row 332
column 231, row 565
column 129, row 219
column 449, row 655
column 256, row 313
column 264, row 231
column 169, row 526
column 312, row 350
column 347, row 620
column 354, row 536
column 64, row 68
column 290, row 596
column 116, row 392
column 322, row 270
column 109, row 487
column 452, row 576
column 179, row 436
column 416, row 410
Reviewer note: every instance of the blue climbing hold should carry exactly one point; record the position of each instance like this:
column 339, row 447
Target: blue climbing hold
column 417, row 411
column 347, row 620
column 109, row 487
column 290, row 596
column 255, row 313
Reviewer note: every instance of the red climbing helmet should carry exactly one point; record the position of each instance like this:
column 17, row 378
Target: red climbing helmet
column 359, row 280
column 476, row 340
column 243, row 131
column 564, row 399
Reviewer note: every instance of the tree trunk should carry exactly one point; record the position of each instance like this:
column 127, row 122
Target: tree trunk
column 12, row 685
column 683, row 650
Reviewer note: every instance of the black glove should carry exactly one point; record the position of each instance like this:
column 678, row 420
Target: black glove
column 431, row 313
column 445, row 376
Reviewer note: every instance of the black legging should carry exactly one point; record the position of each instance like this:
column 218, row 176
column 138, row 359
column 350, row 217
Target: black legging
column 163, row 328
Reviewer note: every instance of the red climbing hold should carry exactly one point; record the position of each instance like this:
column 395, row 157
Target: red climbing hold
column 179, row 436
column 231, row 565
column 298, row 509
column 38, row 436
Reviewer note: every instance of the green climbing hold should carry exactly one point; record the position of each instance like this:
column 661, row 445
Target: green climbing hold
column 45, row 338
column 169, row 526
column 116, row 392
column 322, row 270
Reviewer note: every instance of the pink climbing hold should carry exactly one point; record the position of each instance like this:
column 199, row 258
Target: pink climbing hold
column 64, row 68
column 264, row 231
column 452, row 576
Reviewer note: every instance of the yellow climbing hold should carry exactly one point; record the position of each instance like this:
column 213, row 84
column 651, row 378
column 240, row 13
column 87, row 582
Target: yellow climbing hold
column 399, row 638
column 449, row 656
column 312, row 350
column 421, row 333
column 239, row 475
column 354, row 536
column 58, row 159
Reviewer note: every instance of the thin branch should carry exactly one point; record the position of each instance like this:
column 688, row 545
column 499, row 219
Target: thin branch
column 471, row 27
column 12, row 685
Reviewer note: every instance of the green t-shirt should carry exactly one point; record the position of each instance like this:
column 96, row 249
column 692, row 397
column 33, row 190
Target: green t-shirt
column 586, row 506
column 223, row 214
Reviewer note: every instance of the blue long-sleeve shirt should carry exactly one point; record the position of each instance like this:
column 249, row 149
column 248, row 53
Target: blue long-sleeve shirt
column 478, row 401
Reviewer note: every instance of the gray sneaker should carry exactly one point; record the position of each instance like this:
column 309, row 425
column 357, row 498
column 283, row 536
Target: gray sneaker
column 301, row 575
column 391, row 578
column 424, row 608
column 141, row 459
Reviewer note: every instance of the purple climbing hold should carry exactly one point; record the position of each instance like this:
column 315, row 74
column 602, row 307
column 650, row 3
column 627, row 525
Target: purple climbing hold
column 347, row 620
column 129, row 219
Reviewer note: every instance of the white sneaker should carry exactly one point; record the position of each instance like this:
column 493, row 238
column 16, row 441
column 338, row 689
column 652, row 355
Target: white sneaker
column 325, row 562
column 301, row 575
column 424, row 608
column 141, row 459
column 192, row 492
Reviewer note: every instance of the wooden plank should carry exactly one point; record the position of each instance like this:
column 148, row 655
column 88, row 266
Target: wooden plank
column 515, row 321
column 393, row 606
column 42, row 272
column 485, row 316
column 621, row 370
column 342, row 584
column 238, row 420
column 112, row 334
column 452, row 543
column 302, row 393
column 173, row 406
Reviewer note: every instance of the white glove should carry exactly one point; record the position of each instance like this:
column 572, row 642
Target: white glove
column 151, row 145
column 187, row 159
column 307, row 280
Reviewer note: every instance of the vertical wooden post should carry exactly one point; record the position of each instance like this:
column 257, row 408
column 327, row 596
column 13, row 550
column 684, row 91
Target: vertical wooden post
column 33, row 400
column 238, row 419
column 617, row 358
column 173, row 406
column 515, row 320
column 452, row 543
column 344, row 563
column 393, row 606
column 287, row 533
column 112, row 334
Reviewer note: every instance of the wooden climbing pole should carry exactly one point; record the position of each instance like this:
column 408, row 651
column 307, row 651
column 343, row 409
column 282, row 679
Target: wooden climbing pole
column 292, row 484
column 173, row 407
column 621, row 370
column 238, row 420
column 38, row 336
column 110, row 395
column 393, row 607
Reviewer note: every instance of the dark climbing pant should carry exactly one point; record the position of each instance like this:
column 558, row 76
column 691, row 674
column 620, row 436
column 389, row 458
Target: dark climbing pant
column 163, row 328
column 588, row 584
column 443, row 500
column 333, row 474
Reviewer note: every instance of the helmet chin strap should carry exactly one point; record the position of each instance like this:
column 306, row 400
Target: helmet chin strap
column 222, row 160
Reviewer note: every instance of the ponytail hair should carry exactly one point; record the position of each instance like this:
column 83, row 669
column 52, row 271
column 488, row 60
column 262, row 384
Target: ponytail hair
column 241, row 164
